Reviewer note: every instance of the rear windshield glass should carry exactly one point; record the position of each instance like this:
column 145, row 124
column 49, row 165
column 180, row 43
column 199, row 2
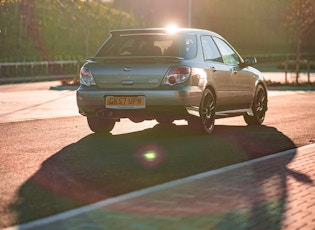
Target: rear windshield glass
column 150, row 45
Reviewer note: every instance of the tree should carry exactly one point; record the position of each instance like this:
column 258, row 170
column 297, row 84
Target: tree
column 32, row 30
column 299, row 18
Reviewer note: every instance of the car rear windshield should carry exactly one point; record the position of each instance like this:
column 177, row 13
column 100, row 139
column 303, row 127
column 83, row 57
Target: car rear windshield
column 177, row 45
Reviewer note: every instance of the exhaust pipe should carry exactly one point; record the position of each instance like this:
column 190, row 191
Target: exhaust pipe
column 104, row 114
column 100, row 113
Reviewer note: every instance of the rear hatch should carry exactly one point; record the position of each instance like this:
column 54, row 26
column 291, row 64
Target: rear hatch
column 133, row 59
column 130, row 72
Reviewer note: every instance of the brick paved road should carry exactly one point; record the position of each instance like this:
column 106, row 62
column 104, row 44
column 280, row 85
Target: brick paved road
column 274, row 192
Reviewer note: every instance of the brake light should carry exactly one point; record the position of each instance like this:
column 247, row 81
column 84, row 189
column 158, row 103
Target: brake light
column 86, row 77
column 176, row 75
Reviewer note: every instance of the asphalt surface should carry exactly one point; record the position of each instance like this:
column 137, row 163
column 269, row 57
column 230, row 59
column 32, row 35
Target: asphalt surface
column 29, row 101
column 273, row 192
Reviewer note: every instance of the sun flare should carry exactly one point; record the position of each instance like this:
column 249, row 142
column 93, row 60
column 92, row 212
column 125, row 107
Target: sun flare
column 172, row 28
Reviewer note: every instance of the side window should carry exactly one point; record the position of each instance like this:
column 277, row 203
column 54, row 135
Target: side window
column 190, row 49
column 228, row 54
column 210, row 50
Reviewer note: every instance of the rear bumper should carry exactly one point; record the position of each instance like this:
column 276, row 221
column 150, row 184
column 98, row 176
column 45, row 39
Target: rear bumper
column 90, row 101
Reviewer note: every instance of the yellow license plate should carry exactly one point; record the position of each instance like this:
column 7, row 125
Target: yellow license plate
column 125, row 102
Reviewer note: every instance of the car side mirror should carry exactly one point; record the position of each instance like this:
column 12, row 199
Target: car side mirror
column 249, row 61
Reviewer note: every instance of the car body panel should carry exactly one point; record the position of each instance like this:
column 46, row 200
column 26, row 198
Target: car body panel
column 128, row 75
column 223, row 83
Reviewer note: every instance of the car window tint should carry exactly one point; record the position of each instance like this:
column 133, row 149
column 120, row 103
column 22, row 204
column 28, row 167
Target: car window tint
column 189, row 47
column 210, row 50
column 228, row 54
column 150, row 45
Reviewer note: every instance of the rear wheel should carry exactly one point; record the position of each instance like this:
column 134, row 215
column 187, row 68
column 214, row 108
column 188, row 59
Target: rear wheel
column 100, row 124
column 206, row 112
column 259, row 107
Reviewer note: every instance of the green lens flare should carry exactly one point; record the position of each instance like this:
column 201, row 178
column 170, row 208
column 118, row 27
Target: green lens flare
column 150, row 156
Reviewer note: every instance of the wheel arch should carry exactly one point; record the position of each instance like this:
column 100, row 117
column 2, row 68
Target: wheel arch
column 258, row 83
column 263, row 84
column 212, row 89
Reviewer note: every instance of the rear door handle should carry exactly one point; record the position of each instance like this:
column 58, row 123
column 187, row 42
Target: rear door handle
column 234, row 70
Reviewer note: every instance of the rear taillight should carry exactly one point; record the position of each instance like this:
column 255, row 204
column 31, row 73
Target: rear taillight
column 86, row 77
column 176, row 75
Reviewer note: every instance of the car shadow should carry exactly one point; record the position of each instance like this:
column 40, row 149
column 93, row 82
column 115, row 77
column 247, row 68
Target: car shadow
column 98, row 167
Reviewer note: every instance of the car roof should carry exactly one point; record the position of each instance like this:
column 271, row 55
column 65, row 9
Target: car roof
column 165, row 31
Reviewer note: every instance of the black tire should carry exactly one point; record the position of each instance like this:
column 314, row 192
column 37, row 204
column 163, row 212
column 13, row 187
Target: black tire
column 207, row 113
column 259, row 107
column 100, row 125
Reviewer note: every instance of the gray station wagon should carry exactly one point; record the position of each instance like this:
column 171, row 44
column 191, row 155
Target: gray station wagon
column 167, row 75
